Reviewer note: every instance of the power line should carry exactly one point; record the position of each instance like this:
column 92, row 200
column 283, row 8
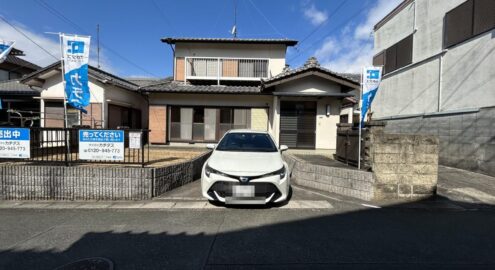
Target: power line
column 266, row 19
column 323, row 22
column 326, row 35
column 26, row 36
column 162, row 14
column 77, row 27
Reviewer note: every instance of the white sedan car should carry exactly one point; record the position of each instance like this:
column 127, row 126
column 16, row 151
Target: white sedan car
column 246, row 167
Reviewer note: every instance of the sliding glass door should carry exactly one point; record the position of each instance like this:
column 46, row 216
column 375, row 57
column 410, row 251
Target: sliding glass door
column 200, row 124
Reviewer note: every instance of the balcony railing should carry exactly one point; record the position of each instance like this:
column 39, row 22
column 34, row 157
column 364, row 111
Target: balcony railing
column 201, row 68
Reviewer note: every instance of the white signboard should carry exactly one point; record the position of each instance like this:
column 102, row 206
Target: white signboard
column 14, row 143
column 101, row 144
column 135, row 140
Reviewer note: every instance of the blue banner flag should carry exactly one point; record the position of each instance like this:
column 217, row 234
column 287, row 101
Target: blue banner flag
column 371, row 80
column 76, row 57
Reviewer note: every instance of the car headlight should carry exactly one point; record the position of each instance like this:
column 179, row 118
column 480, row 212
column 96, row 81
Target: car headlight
column 282, row 172
column 209, row 170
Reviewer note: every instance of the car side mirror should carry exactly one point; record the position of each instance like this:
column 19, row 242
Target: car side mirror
column 211, row 146
column 283, row 148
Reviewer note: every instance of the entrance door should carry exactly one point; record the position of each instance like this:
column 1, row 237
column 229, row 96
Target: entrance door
column 298, row 124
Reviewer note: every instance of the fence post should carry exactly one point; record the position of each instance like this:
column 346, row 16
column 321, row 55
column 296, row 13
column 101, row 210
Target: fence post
column 142, row 148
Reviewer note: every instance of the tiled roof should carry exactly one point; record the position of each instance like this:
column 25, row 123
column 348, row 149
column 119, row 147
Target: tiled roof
column 288, row 42
column 180, row 87
column 99, row 74
column 14, row 87
column 141, row 82
column 11, row 59
column 313, row 65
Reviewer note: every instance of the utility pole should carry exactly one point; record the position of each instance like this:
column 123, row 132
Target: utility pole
column 98, row 43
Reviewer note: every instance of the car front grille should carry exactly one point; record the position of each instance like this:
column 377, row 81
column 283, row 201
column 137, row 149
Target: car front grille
column 224, row 189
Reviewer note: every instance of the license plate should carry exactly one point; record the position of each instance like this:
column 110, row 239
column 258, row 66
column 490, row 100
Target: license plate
column 243, row 191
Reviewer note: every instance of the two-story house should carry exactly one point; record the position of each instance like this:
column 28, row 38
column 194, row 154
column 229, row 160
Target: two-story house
column 230, row 83
column 439, row 77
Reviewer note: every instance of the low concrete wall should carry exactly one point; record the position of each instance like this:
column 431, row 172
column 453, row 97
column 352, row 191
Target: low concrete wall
column 22, row 182
column 170, row 177
column 348, row 182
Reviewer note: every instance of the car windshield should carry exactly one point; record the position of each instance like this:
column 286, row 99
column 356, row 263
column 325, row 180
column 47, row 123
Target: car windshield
column 247, row 142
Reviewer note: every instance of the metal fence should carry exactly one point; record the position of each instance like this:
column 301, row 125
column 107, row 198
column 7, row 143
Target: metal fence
column 347, row 144
column 61, row 146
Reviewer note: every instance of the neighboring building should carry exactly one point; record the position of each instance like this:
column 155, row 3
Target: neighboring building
column 114, row 101
column 439, row 78
column 223, row 83
column 18, row 103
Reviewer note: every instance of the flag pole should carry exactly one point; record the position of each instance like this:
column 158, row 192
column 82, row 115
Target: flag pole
column 360, row 120
column 63, row 78
column 66, row 124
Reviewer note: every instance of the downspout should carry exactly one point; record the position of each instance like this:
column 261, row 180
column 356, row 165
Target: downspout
column 440, row 70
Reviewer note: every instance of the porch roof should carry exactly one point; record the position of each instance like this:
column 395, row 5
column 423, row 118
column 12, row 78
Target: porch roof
column 312, row 94
column 312, row 67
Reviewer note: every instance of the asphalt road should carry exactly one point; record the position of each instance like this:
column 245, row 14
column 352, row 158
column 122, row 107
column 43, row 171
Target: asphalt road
column 347, row 235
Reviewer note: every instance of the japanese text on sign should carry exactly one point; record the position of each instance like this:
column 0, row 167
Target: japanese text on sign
column 101, row 145
column 15, row 143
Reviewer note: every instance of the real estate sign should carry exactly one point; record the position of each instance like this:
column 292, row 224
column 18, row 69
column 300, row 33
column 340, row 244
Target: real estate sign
column 371, row 80
column 15, row 143
column 135, row 140
column 101, row 144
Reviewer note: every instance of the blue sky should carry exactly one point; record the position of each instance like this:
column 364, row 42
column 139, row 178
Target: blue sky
column 338, row 32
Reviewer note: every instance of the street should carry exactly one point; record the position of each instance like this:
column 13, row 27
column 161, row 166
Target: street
column 435, row 234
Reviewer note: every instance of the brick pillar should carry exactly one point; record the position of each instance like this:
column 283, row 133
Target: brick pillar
column 158, row 124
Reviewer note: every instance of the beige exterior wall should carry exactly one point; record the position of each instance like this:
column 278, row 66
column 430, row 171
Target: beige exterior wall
column 259, row 119
column 275, row 53
column 326, row 125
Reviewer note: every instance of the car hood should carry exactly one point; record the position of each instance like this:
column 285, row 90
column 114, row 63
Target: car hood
column 245, row 163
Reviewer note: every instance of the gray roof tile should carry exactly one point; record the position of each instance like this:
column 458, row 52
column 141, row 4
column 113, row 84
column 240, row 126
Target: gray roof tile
column 180, row 87
column 288, row 42
column 14, row 87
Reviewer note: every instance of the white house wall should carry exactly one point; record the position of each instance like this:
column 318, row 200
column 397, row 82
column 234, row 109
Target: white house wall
column 467, row 76
column 399, row 27
column 54, row 89
column 275, row 53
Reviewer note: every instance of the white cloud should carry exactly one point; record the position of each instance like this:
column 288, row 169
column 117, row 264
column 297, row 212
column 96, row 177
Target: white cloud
column 352, row 50
column 376, row 13
column 49, row 42
column 33, row 53
column 314, row 15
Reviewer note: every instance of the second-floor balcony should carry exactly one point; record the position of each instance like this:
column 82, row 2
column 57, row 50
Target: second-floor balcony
column 242, row 69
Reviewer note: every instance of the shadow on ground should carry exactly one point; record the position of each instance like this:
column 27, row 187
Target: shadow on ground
column 397, row 237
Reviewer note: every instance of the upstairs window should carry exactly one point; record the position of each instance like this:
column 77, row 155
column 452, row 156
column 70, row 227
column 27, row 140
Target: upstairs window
column 396, row 56
column 467, row 20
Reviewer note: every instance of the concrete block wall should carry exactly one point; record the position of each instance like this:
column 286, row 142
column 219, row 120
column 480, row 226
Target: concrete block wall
column 349, row 182
column 26, row 182
column 467, row 140
column 170, row 177
column 74, row 183
column 404, row 166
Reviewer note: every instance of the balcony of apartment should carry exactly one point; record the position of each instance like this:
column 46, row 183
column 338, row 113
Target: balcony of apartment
column 226, row 69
